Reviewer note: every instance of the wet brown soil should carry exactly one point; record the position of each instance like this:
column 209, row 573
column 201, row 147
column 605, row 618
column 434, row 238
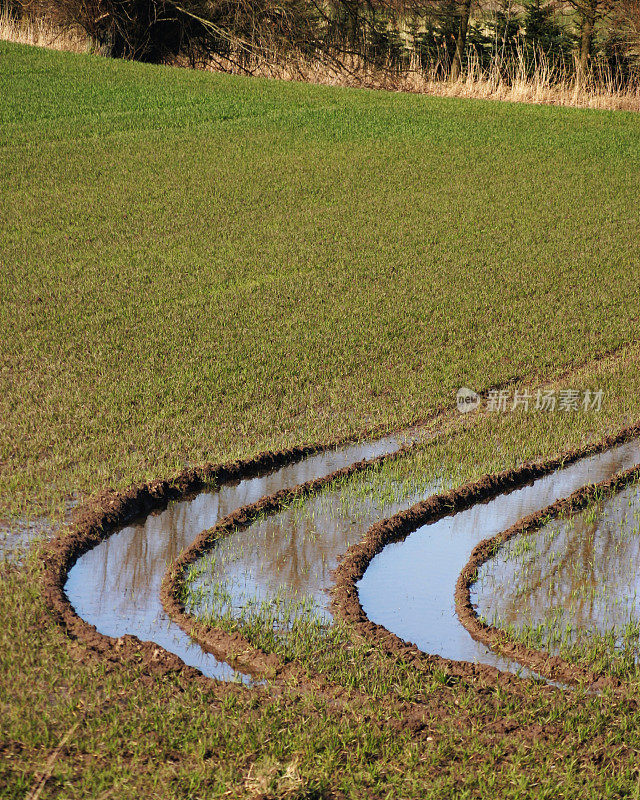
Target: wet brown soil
column 111, row 510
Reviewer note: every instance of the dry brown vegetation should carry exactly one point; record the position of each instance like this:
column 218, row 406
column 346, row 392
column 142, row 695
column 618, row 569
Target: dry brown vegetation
column 41, row 33
column 516, row 86
column 352, row 71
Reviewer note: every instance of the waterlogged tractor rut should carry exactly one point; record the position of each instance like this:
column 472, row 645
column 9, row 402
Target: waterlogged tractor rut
column 405, row 587
column 409, row 588
column 116, row 585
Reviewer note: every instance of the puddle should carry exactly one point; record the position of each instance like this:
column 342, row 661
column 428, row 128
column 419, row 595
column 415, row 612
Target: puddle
column 289, row 555
column 116, row 585
column 17, row 536
column 16, row 542
column 575, row 578
column 409, row 587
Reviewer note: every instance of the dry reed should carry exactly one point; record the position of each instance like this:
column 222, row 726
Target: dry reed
column 42, row 33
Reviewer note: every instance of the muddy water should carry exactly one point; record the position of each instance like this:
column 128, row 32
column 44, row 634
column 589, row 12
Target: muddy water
column 116, row 586
column 16, row 543
column 18, row 536
column 409, row 586
column 576, row 576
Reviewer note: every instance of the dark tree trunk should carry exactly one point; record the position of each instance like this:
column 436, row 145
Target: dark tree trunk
column 589, row 13
column 456, row 67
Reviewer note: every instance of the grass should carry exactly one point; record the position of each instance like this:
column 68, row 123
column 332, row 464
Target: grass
column 474, row 744
column 292, row 628
column 152, row 735
column 199, row 266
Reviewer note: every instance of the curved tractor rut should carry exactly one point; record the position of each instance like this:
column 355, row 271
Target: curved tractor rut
column 217, row 501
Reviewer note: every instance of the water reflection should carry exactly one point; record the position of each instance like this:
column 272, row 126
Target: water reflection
column 291, row 554
column 581, row 573
column 409, row 587
column 116, row 586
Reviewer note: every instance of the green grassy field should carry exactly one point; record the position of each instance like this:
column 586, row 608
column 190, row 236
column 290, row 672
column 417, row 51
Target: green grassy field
column 197, row 267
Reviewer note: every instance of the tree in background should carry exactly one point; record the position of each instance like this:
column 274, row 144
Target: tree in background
column 542, row 29
column 622, row 38
column 504, row 28
column 461, row 40
column 159, row 30
column 589, row 13
column 544, row 33
column 438, row 36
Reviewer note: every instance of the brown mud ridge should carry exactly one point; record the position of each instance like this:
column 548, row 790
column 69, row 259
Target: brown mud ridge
column 110, row 511
column 346, row 602
column 232, row 647
column 550, row 666
column 355, row 562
